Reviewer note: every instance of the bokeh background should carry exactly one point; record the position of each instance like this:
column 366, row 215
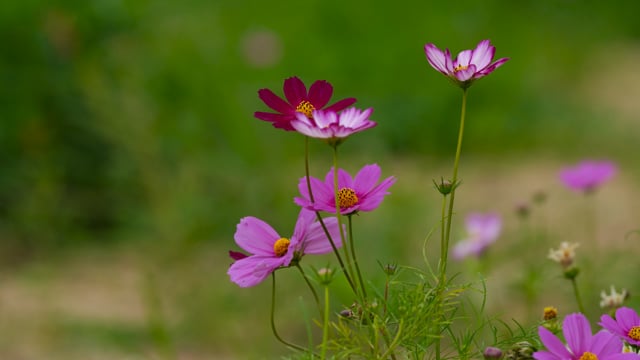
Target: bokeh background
column 129, row 152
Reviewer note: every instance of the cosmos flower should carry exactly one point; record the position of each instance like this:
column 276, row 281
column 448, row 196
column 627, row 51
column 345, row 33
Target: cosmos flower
column 269, row 251
column 362, row 193
column 587, row 175
column 469, row 66
column 298, row 101
column 626, row 325
column 482, row 230
column 329, row 125
column 581, row 344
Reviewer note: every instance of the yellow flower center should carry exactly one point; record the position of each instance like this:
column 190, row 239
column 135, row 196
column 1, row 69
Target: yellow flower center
column 306, row 108
column 281, row 246
column 460, row 68
column 634, row 333
column 347, row 198
column 588, row 356
column 550, row 313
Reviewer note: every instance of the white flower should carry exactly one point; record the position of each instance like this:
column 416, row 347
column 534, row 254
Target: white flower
column 565, row 254
column 614, row 300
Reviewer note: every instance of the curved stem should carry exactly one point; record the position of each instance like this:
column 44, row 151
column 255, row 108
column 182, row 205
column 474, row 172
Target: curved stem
column 313, row 290
column 577, row 295
column 273, row 323
column 355, row 261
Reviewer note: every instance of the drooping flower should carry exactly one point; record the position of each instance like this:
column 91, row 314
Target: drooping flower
column 482, row 230
column 270, row 251
column 468, row 66
column 626, row 325
column 565, row 254
column 298, row 101
column 581, row 344
column 362, row 193
column 613, row 300
column 588, row 175
column 332, row 126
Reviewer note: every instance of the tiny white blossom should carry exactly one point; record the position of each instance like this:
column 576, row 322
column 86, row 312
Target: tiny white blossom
column 565, row 254
column 613, row 300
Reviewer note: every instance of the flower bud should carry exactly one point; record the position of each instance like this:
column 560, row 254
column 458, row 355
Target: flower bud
column 492, row 353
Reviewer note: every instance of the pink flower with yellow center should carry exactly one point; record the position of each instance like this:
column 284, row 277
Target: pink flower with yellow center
column 581, row 344
column 468, row 66
column 270, row 251
column 298, row 101
column 362, row 193
column 626, row 325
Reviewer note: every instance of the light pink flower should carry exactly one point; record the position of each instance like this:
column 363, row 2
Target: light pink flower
column 588, row 175
column 468, row 66
column 332, row 126
column 482, row 230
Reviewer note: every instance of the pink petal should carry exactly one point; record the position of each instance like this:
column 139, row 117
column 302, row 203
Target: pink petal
column 319, row 93
column 545, row 355
column 483, row 54
column 344, row 180
column 294, row 91
column 373, row 198
column 341, row 105
column 489, row 69
column 316, row 241
column 611, row 325
column 324, row 118
column 604, row 343
column 627, row 318
column 436, row 58
column 367, row 178
column 464, row 58
column 305, row 219
column 553, row 344
column 253, row 270
column 256, row 236
column 466, row 74
column 577, row 332
column 275, row 102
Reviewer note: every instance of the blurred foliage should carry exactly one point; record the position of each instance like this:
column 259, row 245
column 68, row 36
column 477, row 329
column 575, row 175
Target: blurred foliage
column 136, row 115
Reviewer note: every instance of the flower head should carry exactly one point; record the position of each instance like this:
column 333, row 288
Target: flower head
column 626, row 325
column 298, row 101
column 468, row 66
column 362, row 193
column 565, row 254
column 581, row 344
column 270, row 251
column 587, row 175
column 329, row 125
column 614, row 300
column 482, row 230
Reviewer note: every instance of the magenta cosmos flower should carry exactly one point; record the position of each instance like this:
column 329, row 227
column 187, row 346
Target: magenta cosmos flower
column 482, row 230
column 362, row 193
column 581, row 344
column 270, row 251
column 626, row 325
column 588, row 175
column 468, row 66
column 329, row 125
column 298, row 101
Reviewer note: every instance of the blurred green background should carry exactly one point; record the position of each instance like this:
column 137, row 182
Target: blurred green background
column 129, row 151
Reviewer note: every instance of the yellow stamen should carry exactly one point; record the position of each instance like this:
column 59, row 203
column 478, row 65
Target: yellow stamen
column 460, row 68
column 550, row 313
column 634, row 333
column 281, row 246
column 347, row 198
column 588, row 356
column 306, row 108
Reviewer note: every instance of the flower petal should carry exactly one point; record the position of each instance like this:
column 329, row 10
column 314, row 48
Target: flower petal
column 253, row 270
column 545, row 355
column 483, row 54
column 316, row 241
column 344, row 180
column 464, row 58
column 305, row 219
column 294, row 91
column 627, row 318
column 367, row 178
column 256, row 236
column 466, row 74
column 319, row 93
column 275, row 102
column 608, row 323
column 489, row 69
column 577, row 332
column 604, row 343
column 341, row 105
column 436, row 58
column 373, row 198
column 553, row 344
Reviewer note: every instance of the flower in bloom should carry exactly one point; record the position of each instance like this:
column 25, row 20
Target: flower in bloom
column 565, row 254
column 468, row 66
column 362, row 193
column 329, row 125
column 482, row 230
column 626, row 325
column 581, row 344
column 298, row 101
column 613, row 300
column 587, row 175
column 270, row 251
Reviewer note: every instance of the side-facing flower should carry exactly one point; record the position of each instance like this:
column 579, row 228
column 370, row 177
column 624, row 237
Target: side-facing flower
column 468, row 66
column 362, row 193
column 270, row 251
column 565, row 254
column 626, row 325
column 332, row 126
column 587, row 175
column 482, row 230
column 298, row 101
column 581, row 344
column 613, row 300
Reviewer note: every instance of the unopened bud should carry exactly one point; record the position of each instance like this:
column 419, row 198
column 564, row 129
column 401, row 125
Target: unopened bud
column 492, row 353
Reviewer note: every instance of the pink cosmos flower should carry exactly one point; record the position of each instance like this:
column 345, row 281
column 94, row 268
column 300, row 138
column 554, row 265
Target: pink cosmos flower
column 327, row 124
column 587, row 175
column 626, row 325
column 270, row 251
column 361, row 193
column 298, row 101
column 483, row 230
column 581, row 344
column 468, row 66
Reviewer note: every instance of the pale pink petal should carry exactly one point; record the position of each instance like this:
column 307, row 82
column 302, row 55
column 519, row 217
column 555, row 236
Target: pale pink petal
column 483, row 54
column 253, row 270
column 464, row 58
column 465, row 74
column 489, row 69
column 436, row 58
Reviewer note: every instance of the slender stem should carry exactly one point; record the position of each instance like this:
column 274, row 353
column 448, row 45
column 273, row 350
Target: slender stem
column 577, row 295
column 353, row 254
column 325, row 324
column 273, row 323
column 313, row 290
column 443, row 246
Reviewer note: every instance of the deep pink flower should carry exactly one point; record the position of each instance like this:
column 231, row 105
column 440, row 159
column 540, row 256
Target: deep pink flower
column 270, row 251
column 361, row 193
column 327, row 124
column 626, row 325
column 298, row 101
column 468, row 66
column 581, row 344
column 588, row 175
column 482, row 230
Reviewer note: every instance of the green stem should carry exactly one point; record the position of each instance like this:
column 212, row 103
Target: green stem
column 355, row 261
column 273, row 310
column 325, row 324
column 577, row 295
column 313, row 290
column 443, row 246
